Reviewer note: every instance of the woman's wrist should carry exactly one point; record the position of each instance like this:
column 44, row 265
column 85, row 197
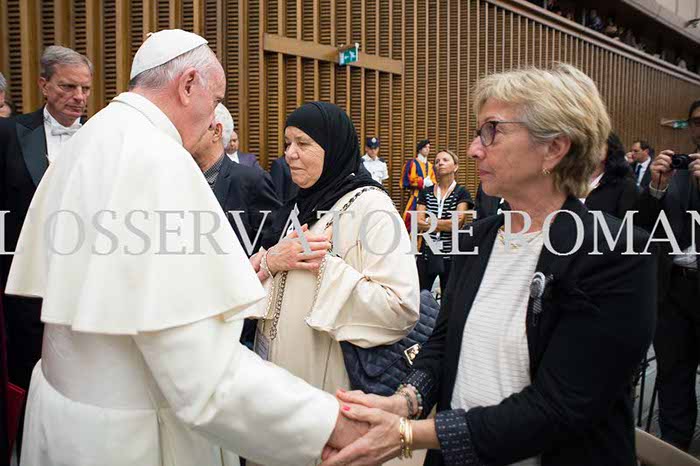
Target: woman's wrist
column 425, row 435
column 399, row 406
column 412, row 399
column 265, row 264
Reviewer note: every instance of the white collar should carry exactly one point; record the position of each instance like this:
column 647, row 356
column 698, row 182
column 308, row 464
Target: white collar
column 596, row 181
column 422, row 158
column 54, row 122
column 646, row 163
column 233, row 156
column 151, row 111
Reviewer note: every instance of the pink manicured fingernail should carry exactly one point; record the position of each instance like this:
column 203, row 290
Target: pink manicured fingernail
column 346, row 408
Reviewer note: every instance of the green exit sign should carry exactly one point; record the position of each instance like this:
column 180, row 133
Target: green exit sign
column 349, row 54
column 675, row 124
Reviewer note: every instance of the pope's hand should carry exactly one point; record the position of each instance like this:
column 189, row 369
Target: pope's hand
column 255, row 261
column 345, row 432
column 381, row 443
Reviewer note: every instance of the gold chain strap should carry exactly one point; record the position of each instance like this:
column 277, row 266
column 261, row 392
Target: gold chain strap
column 278, row 305
column 319, row 277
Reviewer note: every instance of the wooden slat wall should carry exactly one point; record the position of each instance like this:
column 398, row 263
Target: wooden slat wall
column 444, row 46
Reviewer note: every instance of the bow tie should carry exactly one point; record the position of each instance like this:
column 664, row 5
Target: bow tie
column 63, row 131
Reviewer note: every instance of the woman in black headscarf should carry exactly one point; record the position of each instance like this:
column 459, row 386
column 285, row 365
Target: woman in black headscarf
column 359, row 282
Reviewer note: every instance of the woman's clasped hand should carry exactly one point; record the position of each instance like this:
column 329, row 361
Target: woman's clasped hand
column 384, row 440
column 293, row 253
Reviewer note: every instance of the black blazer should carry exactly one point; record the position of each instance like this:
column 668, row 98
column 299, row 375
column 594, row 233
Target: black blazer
column 646, row 177
column 680, row 198
column 249, row 189
column 282, row 180
column 614, row 195
column 486, row 205
column 588, row 328
column 22, row 165
column 23, row 162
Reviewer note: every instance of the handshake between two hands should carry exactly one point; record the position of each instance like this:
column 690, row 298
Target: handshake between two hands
column 367, row 431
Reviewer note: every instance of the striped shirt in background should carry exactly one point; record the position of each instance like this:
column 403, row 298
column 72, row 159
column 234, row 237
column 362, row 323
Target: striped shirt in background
column 458, row 195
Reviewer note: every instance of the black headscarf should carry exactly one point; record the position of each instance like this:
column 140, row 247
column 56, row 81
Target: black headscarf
column 343, row 170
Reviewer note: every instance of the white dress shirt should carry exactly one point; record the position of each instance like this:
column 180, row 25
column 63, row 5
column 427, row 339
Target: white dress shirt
column 645, row 166
column 234, row 157
column 57, row 134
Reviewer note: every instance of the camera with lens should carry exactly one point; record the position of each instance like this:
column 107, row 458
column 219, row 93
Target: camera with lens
column 680, row 161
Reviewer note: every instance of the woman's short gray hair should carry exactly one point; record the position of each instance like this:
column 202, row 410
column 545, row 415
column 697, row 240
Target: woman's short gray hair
column 56, row 55
column 562, row 101
column 200, row 58
column 223, row 116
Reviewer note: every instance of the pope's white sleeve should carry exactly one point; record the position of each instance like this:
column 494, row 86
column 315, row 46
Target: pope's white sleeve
column 227, row 393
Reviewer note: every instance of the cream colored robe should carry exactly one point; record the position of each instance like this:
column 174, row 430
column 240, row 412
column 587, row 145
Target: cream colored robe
column 364, row 297
column 141, row 363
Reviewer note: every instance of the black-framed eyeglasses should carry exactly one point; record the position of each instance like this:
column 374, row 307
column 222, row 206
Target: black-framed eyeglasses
column 487, row 131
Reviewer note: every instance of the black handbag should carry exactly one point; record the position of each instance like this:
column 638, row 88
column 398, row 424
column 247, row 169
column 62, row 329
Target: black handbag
column 381, row 369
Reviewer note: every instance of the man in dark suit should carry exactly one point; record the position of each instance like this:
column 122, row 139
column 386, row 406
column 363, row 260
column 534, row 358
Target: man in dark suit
column 282, row 180
column 237, row 188
column 642, row 154
column 243, row 158
column 28, row 143
column 676, row 193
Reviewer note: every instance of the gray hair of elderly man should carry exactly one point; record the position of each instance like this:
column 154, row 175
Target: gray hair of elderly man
column 200, row 58
column 3, row 83
column 56, row 55
column 223, row 116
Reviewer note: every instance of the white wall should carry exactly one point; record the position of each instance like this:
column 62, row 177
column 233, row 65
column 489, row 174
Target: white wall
column 685, row 9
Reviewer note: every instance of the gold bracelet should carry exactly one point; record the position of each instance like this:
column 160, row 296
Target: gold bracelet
column 406, row 438
column 409, row 439
column 264, row 266
column 402, row 437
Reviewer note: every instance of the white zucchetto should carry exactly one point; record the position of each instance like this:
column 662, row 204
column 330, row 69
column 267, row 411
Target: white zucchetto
column 161, row 47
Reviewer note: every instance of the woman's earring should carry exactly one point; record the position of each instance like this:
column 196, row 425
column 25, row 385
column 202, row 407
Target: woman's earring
column 545, row 171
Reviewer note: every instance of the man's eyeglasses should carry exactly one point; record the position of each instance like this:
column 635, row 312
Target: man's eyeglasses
column 487, row 131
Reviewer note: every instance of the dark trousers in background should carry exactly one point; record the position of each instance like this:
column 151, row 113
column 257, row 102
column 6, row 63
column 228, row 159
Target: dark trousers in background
column 427, row 277
column 677, row 348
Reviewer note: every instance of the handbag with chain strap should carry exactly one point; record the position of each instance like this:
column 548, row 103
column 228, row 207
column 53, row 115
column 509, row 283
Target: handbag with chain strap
column 379, row 369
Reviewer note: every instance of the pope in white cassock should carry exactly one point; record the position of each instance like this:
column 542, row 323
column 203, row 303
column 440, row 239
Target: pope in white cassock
column 144, row 298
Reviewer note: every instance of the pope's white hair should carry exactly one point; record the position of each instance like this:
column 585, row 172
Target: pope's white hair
column 223, row 117
column 200, row 58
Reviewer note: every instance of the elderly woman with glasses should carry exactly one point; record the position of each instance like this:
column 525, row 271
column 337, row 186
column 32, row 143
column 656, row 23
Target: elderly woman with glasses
column 541, row 329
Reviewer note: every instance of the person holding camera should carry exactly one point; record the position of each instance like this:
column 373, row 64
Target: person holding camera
column 674, row 189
